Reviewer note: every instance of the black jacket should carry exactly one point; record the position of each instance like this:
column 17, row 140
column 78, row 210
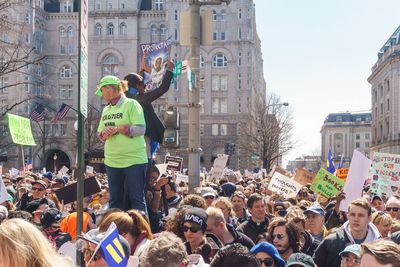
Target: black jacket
column 252, row 229
column 239, row 237
column 310, row 244
column 327, row 253
column 154, row 127
column 395, row 237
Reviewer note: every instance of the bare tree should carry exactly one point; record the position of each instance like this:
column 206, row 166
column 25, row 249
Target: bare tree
column 268, row 135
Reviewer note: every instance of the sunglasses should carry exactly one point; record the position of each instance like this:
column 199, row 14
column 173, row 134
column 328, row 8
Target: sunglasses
column 37, row 189
column 210, row 197
column 278, row 236
column 192, row 229
column 392, row 209
column 267, row 262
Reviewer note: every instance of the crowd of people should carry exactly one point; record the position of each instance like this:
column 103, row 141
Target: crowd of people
column 233, row 221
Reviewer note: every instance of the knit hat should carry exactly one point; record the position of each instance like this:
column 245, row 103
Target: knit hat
column 270, row 250
column 106, row 80
column 49, row 217
column 197, row 216
column 228, row 189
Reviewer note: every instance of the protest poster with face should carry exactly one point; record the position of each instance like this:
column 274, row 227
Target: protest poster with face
column 384, row 174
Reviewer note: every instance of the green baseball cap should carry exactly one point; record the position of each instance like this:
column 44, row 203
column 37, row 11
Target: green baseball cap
column 354, row 249
column 106, row 80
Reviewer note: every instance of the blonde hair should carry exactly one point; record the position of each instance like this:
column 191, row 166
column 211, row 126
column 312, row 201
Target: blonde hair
column 216, row 215
column 121, row 87
column 381, row 218
column 226, row 202
column 33, row 249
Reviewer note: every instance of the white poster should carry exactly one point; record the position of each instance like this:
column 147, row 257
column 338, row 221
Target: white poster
column 282, row 184
column 3, row 191
column 219, row 165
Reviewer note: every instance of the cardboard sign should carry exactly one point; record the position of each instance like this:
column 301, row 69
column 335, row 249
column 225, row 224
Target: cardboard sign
column 3, row 191
column 326, row 184
column 174, row 163
column 343, row 172
column 162, row 168
column 68, row 193
column 181, row 178
column 385, row 174
column 20, row 130
column 357, row 174
column 284, row 185
column 63, row 170
column 219, row 165
column 304, row 177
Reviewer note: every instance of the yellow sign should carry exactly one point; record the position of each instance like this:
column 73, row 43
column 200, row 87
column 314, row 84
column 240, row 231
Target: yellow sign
column 342, row 173
column 20, row 130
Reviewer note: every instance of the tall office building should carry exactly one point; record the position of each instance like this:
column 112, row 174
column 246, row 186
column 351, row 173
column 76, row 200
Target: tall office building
column 231, row 72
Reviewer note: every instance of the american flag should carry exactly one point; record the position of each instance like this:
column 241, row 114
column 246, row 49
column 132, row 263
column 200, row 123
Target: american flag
column 38, row 113
column 61, row 113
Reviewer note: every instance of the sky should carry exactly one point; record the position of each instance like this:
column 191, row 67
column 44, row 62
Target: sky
column 318, row 55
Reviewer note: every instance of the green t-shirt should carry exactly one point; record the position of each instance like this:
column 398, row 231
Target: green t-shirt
column 121, row 151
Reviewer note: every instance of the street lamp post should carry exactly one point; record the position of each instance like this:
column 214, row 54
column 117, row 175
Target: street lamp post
column 55, row 165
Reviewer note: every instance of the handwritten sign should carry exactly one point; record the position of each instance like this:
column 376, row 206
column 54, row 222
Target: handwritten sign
column 304, row 177
column 327, row 184
column 384, row 174
column 219, row 165
column 20, row 130
column 282, row 184
column 342, row 173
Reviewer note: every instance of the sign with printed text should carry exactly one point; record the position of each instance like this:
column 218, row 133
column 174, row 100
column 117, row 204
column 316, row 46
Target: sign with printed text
column 327, row 184
column 342, row 173
column 89, row 169
column 304, row 177
column 181, row 178
column 174, row 163
column 20, row 130
column 385, row 174
column 284, row 185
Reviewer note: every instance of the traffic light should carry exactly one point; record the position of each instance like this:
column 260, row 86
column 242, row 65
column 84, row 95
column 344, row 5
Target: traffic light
column 171, row 122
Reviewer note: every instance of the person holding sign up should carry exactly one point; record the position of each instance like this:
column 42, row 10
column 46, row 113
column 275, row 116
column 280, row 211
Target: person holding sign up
column 122, row 127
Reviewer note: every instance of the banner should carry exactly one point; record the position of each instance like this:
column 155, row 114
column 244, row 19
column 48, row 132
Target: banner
column 343, row 172
column 304, row 177
column 384, row 174
column 326, row 184
column 357, row 174
column 153, row 58
column 282, row 184
column 20, row 130
column 219, row 165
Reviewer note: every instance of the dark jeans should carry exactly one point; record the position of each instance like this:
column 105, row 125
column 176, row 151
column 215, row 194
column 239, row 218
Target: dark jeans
column 135, row 177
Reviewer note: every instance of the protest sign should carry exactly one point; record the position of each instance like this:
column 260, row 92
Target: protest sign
column 153, row 58
column 20, row 130
column 343, row 172
column 64, row 170
column 284, row 185
column 162, row 168
column 3, row 191
column 181, row 178
column 326, row 184
column 14, row 172
column 89, row 169
column 219, row 165
column 68, row 194
column 174, row 163
column 356, row 176
column 384, row 174
column 303, row 176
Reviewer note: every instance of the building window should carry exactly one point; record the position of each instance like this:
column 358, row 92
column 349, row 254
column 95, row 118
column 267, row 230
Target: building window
column 219, row 61
column 201, row 62
column 97, row 31
column 366, row 144
column 70, row 49
column 27, row 38
column 240, row 59
column 357, row 136
column 176, row 36
column 62, row 49
column 367, row 136
column 28, row 18
column 214, row 15
column 61, row 31
column 63, row 130
column 214, row 129
column 153, row 30
column 159, row 4
column 224, row 105
column 109, row 65
column 98, row 6
column 4, row 85
column 66, row 72
column 70, row 32
column 240, row 34
column 67, row 7
column 224, row 129
column 201, row 129
column 122, row 29
column 223, row 15
column 387, row 104
column 176, row 15
column 110, row 29
column 163, row 32
column 219, row 83
column 223, row 36
column 215, row 105
column 240, row 13
column 215, row 36
column 39, row 69
column 239, row 105
column 55, row 130
column 66, row 91
column 109, row 5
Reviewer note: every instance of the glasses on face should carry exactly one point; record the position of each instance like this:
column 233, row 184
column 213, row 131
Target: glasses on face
column 89, row 253
column 267, row 262
column 210, row 197
column 392, row 209
column 278, row 236
column 37, row 189
column 192, row 229
column 351, row 260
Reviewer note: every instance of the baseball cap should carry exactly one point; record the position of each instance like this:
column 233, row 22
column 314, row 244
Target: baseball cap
column 106, row 80
column 48, row 175
column 59, row 180
column 41, row 182
column 353, row 248
column 300, row 259
column 208, row 191
column 315, row 209
column 270, row 250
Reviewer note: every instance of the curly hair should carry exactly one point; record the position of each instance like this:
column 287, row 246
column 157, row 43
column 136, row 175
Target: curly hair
column 194, row 201
column 174, row 224
column 234, row 255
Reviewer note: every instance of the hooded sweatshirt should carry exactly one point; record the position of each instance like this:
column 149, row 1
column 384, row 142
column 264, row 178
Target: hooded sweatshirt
column 372, row 233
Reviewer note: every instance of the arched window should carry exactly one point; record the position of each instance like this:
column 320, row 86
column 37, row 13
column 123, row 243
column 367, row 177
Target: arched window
column 61, row 31
column 163, row 32
column 122, row 29
column 97, row 30
column 109, row 65
column 154, row 32
column 70, row 31
column 220, row 61
column 66, row 72
column 67, row 7
column 110, row 29
column 223, row 14
column 159, row 4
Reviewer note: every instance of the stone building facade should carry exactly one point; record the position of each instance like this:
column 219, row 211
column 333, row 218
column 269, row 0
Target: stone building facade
column 385, row 96
column 231, row 72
